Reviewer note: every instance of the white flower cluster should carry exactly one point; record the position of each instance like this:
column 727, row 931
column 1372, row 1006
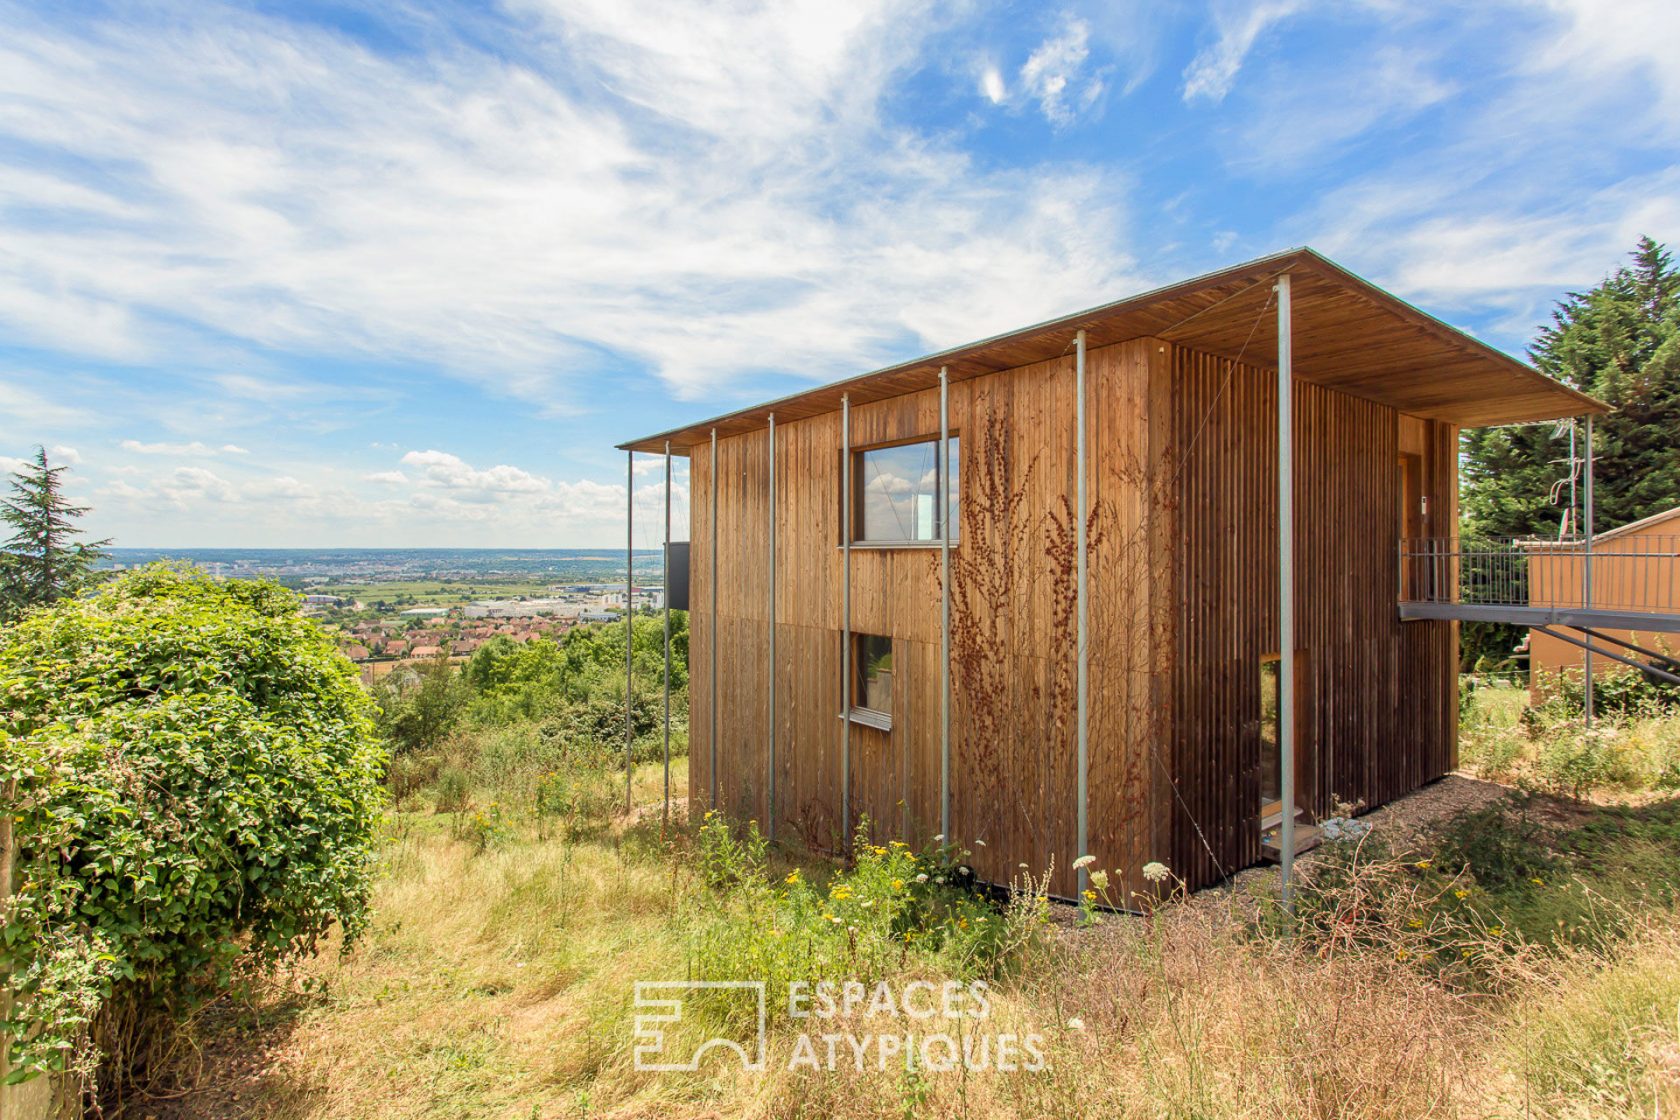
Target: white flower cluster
column 1343, row 828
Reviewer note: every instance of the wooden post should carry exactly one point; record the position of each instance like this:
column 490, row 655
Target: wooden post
column 1082, row 640
column 1286, row 587
column 770, row 789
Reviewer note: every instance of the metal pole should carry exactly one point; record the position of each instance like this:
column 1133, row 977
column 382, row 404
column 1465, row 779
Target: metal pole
column 713, row 664
column 770, row 790
column 1587, row 575
column 629, row 613
column 665, row 817
column 1082, row 640
column 845, row 620
column 1286, row 588
column 944, row 476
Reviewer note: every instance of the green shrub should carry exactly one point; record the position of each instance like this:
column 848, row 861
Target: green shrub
column 195, row 782
column 1503, row 844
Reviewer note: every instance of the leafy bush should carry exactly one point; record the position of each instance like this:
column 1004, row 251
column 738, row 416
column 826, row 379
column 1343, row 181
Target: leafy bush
column 894, row 910
column 195, row 782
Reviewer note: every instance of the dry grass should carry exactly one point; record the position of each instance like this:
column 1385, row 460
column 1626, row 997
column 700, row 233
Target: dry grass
column 498, row 984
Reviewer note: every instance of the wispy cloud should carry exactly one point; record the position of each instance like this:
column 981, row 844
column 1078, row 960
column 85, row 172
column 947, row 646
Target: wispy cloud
column 195, row 449
column 1213, row 71
column 515, row 219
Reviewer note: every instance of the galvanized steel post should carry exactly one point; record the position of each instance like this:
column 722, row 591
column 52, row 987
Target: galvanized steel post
column 1286, row 588
column 845, row 620
column 770, row 788
column 629, row 614
column 1082, row 640
column 943, row 474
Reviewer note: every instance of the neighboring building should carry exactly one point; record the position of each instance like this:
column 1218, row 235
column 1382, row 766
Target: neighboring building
column 425, row 612
column 424, row 651
column 1181, row 419
column 1634, row 571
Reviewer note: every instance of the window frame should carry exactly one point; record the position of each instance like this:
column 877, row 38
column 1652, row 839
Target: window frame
column 856, row 710
column 950, row 528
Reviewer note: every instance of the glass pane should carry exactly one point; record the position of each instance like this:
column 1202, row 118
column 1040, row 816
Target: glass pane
column 874, row 673
column 1271, row 760
column 898, row 492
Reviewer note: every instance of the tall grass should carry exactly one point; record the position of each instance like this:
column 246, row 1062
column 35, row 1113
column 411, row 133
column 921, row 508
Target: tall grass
column 499, row 975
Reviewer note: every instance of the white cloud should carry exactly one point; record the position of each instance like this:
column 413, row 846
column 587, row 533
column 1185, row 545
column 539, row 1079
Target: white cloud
column 185, row 487
column 69, row 456
column 196, row 448
column 991, row 85
column 1051, row 74
column 690, row 192
column 1213, row 71
column 390, row 478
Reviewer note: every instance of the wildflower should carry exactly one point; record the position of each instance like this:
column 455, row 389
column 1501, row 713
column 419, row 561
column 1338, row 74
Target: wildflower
column 793, row 877
column 964, row 870
column 1538, row 882
column 867, row 903
column 1099, row 880
column 1461, row 894
column 979, row 843
column 940, row 839
column 1076, row 1024
column 922, row 878
column 878, row 850
column 833, row 919
column 1155, row 871
column 898, row 884
column 897, row 844
column 962, row 923
column 1465, row 953
column 1082, row 861
column 1401, row 954
column 1090, row 896
column 1424, row 864
column 1416, row 923
column 1497, row 931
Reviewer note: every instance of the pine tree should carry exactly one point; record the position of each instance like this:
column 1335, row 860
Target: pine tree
column 42, row 562
column 1619, row 342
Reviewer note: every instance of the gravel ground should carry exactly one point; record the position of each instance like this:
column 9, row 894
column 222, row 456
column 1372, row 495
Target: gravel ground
column 1399, row 822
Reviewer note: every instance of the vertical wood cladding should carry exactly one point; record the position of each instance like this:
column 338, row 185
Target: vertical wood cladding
column 1183, row 607
column 1376, row 698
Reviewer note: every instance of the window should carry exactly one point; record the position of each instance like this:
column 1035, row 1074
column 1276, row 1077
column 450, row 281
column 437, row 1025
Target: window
column 895, row 494
column 872, row 680
column 1271, row 753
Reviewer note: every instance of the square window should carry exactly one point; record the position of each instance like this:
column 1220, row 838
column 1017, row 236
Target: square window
column 872, row 680
column 895, row 493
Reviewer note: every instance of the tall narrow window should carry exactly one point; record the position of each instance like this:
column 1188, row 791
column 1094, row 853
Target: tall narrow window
column 1271, row 754
column 872, row 680
column 896, row 494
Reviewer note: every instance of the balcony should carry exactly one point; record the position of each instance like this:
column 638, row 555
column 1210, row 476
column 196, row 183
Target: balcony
column 1625, row 582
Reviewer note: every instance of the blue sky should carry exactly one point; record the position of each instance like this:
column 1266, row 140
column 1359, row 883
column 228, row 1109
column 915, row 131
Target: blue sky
column 402, row 273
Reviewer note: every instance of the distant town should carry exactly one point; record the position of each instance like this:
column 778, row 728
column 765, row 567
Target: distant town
column 391, row 606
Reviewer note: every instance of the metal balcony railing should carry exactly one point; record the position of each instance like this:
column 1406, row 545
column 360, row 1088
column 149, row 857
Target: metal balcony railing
column 1631, row 574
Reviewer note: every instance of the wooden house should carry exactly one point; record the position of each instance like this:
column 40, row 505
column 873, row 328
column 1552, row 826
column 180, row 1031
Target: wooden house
column 1634, row 576
column 1026, row 591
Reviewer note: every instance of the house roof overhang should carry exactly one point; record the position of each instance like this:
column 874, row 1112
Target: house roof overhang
column 1347, row 333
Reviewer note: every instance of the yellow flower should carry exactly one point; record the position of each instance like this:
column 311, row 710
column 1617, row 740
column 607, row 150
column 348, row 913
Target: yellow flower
column 1423, row 863
column 793, row 876
column 1497, row 931
column 1401, row 954
column 1090, row 896
column 898, row 884
column 1416, row 923
column 1538, row 882
column 1461, row 894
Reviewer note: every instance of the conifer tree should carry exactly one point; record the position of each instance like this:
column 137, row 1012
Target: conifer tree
column 42, row 562
column 1619, row 342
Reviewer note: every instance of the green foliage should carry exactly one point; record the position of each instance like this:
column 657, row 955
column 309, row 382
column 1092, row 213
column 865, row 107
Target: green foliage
column 42, row 562
column 892, row 911
column 420, row 704
column 195, row 783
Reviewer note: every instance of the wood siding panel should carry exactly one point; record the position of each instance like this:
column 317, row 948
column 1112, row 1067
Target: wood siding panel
column 1375, row 697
